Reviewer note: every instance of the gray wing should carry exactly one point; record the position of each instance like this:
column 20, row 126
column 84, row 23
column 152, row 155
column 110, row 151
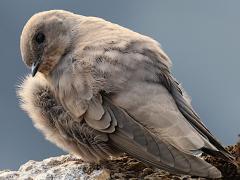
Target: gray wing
column 128, row 135
column 144, row 66
column 153, row 73
column 186, row 109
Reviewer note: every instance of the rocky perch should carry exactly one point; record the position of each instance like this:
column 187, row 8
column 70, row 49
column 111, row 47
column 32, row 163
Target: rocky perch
column 67, row 167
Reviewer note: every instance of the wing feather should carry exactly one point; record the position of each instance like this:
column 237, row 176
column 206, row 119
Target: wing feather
column 133, row 138
column 191, row 116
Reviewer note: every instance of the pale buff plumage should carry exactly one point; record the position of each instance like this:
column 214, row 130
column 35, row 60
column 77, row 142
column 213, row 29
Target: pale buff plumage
column 103, row 89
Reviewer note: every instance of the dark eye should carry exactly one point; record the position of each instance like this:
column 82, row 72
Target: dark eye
column 40, row 38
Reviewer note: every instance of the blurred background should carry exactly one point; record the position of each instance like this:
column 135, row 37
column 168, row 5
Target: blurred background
column 201, row 37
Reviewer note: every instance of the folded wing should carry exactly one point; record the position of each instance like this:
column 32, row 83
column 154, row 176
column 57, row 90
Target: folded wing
column 129, row 135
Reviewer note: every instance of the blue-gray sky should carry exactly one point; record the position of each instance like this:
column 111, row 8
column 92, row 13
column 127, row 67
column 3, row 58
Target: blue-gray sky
column 201, row 37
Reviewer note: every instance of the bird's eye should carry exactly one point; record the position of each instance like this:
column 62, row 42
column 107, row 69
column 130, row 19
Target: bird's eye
column 40, row 38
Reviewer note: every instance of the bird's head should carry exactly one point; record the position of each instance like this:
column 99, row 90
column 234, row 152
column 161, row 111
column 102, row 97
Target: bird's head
column 45, row 39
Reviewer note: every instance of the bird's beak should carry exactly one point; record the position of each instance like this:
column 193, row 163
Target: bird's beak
column 35, row 67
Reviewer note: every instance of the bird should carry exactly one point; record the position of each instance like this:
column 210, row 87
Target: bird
column 98, row 90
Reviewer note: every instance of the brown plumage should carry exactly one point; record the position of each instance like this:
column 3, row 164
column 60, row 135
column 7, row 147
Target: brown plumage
column 102, row 89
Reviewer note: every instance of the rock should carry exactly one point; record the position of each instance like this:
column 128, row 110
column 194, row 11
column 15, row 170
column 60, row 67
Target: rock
column 64, row 167
column 68, row 167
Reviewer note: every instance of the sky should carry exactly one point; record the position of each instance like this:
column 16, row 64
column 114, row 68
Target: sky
column 201, row 37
